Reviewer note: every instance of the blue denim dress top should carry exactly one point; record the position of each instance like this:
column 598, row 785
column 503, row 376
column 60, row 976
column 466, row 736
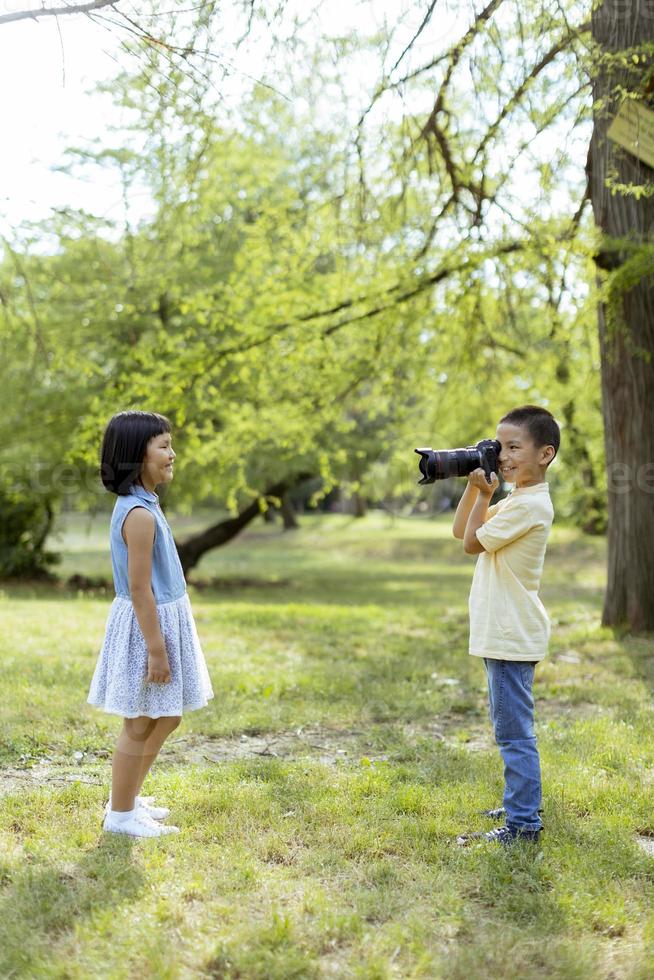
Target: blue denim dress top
column 119, row 683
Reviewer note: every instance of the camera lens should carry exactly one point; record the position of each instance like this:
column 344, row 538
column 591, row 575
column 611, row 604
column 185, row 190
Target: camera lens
column 439, row 464
column 455, row 462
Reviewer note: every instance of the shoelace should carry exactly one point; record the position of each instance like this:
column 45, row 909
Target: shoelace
column 143, row 820
column 498, row 833
column 149, row 821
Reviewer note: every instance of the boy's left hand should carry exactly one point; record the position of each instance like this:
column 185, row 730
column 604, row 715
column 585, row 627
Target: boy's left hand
column 478, row 479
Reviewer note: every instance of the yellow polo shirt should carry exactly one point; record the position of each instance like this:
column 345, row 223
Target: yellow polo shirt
column 507, row 619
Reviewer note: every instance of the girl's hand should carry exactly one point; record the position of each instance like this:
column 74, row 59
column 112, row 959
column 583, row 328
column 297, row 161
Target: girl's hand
column 478, row 479
column 158, row 668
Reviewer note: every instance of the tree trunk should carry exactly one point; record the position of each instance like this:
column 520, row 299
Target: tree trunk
column 358, row 504
column 288, row 514
column 219, row 534
column 626, row 329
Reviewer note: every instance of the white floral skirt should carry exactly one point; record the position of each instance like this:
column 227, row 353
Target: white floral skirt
column 119, row 683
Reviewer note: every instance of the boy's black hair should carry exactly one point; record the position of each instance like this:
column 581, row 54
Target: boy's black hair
column 124, row 445
column 539, row 423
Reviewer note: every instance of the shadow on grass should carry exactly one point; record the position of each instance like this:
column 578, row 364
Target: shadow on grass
column 640, row 652
column 328, row 586
column 40, row 901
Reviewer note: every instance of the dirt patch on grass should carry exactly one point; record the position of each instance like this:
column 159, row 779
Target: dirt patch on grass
column 43, row 773
column 563, row 711
column 330, row 746
column 644, row 837
column 646, row 844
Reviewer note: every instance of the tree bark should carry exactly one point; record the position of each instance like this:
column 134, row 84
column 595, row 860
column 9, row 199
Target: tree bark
column 626, row 328
column 358, row 504
column 191, row 551
column 288, row 514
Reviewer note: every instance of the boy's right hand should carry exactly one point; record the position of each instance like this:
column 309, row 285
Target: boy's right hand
column 158, row 667
column 479, row 480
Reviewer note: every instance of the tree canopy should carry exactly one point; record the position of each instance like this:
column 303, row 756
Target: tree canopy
column 335, row 273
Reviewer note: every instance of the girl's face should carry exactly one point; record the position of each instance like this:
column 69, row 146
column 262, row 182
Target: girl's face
column 158, row 462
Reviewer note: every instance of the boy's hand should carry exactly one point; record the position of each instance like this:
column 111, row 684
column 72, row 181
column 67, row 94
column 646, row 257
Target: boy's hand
column 158, row 667
column 478, row 479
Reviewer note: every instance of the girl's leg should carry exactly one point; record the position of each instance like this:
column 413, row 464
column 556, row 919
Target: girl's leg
column 166, row 730
column 137, row 748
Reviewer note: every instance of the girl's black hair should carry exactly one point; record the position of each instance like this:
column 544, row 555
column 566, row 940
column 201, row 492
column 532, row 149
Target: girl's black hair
column 124, row 445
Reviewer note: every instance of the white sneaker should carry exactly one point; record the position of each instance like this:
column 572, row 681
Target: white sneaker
column 146, row 804
column 138, row 825
column 156, row 812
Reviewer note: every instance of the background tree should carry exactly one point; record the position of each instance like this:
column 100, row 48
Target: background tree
column 622, row 192
column 312, row 281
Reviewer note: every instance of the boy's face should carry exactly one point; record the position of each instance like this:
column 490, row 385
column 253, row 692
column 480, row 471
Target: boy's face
column 520, row 461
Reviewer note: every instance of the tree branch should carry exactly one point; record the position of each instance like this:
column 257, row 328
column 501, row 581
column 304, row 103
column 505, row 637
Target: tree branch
column 415, row 37
column 548, row 57
column 403, row 295
column 191, row 550
column 455, row 56
column 76, row 8
column 386, row 86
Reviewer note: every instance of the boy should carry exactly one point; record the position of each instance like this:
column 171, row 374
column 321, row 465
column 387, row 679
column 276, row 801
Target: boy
column 509, row 627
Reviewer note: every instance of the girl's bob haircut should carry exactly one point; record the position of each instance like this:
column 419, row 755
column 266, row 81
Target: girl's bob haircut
column 124, row 445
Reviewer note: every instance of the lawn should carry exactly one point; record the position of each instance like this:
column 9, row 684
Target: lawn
column 320, row 793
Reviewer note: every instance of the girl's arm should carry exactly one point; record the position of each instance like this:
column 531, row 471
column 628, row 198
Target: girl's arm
column 138, row 528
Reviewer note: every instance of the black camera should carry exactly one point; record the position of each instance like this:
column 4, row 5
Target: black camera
column 438, row 464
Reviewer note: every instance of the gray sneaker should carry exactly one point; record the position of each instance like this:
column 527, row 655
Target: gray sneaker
column 499, row 835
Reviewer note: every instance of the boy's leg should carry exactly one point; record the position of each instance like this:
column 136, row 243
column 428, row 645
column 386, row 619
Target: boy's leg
column 512, row 715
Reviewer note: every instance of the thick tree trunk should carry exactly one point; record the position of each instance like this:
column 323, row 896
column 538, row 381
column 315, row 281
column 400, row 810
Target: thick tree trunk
column 626, row 330
column 194, row 548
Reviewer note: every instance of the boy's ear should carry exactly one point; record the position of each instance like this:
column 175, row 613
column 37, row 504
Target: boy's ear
column 547, row 454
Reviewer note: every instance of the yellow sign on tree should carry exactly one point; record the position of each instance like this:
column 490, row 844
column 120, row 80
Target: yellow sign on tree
column 633, row 128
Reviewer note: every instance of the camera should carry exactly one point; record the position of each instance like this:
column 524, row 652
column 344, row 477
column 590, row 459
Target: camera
column 439, row 464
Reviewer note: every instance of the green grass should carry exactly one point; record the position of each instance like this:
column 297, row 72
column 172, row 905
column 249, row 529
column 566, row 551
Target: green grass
column 334, row 857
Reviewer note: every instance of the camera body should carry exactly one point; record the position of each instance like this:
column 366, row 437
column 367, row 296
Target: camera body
column 439, row 464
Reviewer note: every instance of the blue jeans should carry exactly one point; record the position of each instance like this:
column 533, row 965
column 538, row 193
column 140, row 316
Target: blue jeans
column 511, row 709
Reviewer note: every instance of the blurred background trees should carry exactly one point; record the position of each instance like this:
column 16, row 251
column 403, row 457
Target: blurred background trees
column 389, row 244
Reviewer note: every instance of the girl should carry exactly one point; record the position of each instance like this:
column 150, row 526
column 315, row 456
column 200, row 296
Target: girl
column 151, row 667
